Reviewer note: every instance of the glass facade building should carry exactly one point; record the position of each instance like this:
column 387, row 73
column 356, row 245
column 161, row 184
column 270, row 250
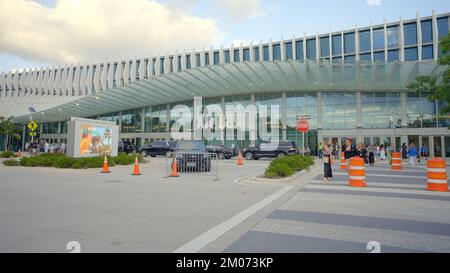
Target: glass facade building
column 351, row 83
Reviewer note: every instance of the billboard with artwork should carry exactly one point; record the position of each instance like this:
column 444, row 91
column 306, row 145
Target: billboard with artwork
column 88, row 137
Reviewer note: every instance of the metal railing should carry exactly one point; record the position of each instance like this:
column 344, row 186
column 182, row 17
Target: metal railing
column 193, row 163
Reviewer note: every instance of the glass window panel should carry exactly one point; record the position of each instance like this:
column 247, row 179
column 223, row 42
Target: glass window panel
column 299, row 50
column 393, row 55
column 197, row 60
column 349, row 42
column 311, row 49
column 246, row 54
column 392, row 37
column 288, row 51
column 206, row 58
column 266, row 52
column 411, row 54
column 427, row 52
column 188, row 61
column 410, row 33
column 337, row 45
column 256, row 52
column 349, row 59
column 364, row 41
column 236, row 56
column 378, row 56
column 276, row 52
column 378, row 39
column 427, row 31
column 216, row 57
column 442, row 27
column 325, row 46
column 366, row 57
column 227, row 56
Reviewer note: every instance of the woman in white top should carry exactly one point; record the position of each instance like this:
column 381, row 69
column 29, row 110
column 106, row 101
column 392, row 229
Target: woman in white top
column 382, row 152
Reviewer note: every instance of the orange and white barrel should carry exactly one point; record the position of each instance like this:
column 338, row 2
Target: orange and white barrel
column 436, row 175
column 343, row 163
column 356, row 173
column 396, row 163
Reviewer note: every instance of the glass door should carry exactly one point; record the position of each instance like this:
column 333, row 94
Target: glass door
column 437, row 146
column 447, row 146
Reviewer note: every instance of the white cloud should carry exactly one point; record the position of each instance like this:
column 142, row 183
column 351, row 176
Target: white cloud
column 87, row 30
column 240, row 9
column 373, row 2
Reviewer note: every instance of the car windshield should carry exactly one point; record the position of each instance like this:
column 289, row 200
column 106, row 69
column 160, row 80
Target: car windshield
column 191, row 145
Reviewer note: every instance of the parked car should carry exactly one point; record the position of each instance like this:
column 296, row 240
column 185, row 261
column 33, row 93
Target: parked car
column 270, row 150
column 125, row 146
column 161, row 147
column 221, row 151
column 192, row 156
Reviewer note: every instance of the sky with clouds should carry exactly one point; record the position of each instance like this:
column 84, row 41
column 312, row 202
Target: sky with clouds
column 35, row 33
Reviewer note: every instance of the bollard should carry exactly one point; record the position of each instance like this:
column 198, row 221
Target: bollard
column 343, row 163
column 356, row 174
column 436, row 175
column 396, row 161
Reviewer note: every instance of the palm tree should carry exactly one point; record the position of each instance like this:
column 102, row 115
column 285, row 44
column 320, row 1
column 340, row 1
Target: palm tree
column 8, row 129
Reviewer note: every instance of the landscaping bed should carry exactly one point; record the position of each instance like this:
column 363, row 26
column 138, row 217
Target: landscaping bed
column 288, row 165
column 7, row 154
column 64, row 162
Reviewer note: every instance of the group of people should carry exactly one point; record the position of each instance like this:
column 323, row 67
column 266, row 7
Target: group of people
column 370, row 153
column 35, row 147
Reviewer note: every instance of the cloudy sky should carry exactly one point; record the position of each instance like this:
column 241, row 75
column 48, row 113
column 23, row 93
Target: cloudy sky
column 35, row 33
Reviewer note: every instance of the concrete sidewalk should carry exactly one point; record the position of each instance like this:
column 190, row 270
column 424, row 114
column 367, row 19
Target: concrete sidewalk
column 395, row 211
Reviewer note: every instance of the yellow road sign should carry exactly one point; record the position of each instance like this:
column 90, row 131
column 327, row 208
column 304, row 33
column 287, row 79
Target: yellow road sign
column 32, row 133
column 32, row 126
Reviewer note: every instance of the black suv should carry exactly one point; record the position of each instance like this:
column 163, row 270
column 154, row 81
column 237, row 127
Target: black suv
column 126, row 147
column 221, row 151
column 192, row 156
column 158, row 148
column 270, row 150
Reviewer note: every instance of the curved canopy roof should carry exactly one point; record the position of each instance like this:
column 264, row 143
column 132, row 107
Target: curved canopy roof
column 239, row 78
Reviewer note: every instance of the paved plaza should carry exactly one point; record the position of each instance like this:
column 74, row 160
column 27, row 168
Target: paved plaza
column 42, row 209
column 394, row 210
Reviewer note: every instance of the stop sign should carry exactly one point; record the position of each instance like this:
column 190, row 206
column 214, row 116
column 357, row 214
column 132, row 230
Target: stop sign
column 303, row 125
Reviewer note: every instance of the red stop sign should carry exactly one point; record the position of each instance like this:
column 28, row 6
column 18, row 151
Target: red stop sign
column 303, row 125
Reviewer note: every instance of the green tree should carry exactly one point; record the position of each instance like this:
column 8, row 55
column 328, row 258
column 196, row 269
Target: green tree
column 437, row 85
column 9, row 130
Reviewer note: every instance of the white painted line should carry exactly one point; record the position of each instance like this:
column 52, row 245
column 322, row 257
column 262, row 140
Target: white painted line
column 369, row 189
column 385, row 175
column 209, row 236
column 386, row 185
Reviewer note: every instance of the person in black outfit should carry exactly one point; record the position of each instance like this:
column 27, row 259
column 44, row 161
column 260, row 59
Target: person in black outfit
column 371, row 155
column 326, row 152
column 404, row 151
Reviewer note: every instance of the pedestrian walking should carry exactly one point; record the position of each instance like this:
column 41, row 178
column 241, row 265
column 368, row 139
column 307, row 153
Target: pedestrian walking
column 404, row 150
column 423, row 152
column 371, row 155
column 326, row 153
column 382, row 152
column 320, row 150
column 412, row 154
column 63, row 147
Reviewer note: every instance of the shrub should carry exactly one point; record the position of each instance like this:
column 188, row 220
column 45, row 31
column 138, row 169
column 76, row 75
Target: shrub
column 7, row 154
column 64, row 162
column 11, row 162
column 278, row 170
column 288, row 165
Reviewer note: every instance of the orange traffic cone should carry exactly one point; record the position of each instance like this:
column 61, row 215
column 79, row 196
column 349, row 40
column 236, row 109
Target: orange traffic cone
column 105, row 166
column 19, row 154
column 174, row 167
column 136, row 167
column 240, row 160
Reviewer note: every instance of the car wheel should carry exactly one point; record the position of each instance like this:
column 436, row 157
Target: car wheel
column 281, row 155
column 249, row 156
column 153, row 155
column 220, row 156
